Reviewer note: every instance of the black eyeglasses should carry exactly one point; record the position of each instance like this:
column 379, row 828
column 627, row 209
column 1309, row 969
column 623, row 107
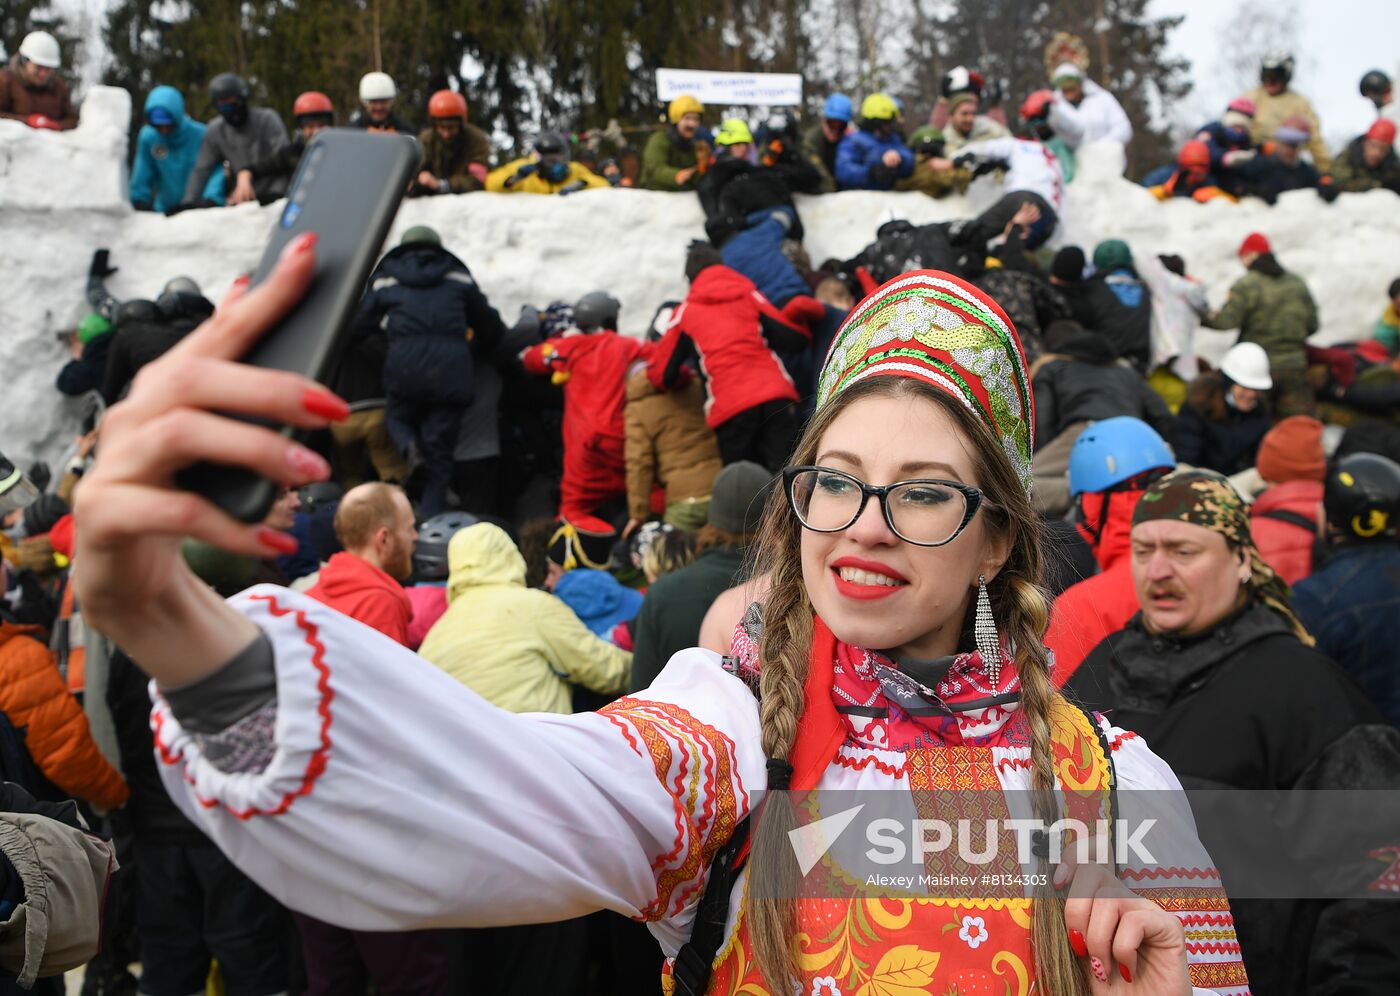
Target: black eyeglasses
column 923, row 512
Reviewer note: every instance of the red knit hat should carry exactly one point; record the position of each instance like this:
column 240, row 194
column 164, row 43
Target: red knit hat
column 1292, row 451
column 1382, row 131
column 1255, row 242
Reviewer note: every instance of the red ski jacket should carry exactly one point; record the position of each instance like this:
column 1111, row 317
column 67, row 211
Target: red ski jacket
column 727, row 326
column 593, row 369
column 1087, row 612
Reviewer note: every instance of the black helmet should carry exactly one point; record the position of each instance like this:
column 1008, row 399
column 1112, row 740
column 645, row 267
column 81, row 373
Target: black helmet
column 319, row 494
column 229, row 95
column 553, row 149
column 1375, row 85
column 430, row 552
column 1277, row 64
column 596, row 310
column 226, row 86
column 551, row 143
column 1362, row 498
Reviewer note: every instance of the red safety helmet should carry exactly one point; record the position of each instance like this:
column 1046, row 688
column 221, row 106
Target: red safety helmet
column 312, row 102
column 1383, row 131
column 1037, row 105
column 1194, row 154
column 447, row 104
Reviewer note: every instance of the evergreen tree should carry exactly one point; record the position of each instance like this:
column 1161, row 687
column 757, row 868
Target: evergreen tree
column 522, row 64
column 19, row 17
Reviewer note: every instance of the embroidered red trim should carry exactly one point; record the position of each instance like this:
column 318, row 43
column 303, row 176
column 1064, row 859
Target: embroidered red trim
column 1122, row 738
column 1215, row 947
column 1138, row 874
column 869, row 761
column 1207, row 920
column 316, row 764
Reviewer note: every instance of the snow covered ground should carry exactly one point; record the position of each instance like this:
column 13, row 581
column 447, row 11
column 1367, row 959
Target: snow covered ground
column 64, row 194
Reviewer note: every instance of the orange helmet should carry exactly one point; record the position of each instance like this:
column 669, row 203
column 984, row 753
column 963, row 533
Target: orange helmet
column 1193, row 153
column 447, row 104
column 312, row 102
column 1037, row 105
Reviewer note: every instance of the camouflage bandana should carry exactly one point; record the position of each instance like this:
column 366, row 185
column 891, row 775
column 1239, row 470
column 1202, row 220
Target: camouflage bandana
column 1206, row 499
column 933, row 327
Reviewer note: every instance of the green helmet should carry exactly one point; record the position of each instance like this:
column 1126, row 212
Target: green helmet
column 421, row 234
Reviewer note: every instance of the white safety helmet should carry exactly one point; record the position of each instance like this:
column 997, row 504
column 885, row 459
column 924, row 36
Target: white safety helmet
column 1247, row 365
column 377, row 86
column 41, row 48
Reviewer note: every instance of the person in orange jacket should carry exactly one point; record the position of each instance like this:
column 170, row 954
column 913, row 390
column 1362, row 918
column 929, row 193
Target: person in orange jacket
column 34, row 698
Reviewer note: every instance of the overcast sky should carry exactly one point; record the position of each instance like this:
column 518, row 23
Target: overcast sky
column 1339, row 40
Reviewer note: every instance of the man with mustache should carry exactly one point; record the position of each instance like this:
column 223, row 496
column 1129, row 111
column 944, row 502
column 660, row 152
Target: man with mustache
column 1221, row 677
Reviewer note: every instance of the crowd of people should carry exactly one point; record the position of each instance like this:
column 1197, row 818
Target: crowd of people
column 529, row 520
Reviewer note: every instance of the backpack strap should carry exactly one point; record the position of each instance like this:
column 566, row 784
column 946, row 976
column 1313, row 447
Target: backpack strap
column 695, row 960
column 1291, row 517
column 1102, row 741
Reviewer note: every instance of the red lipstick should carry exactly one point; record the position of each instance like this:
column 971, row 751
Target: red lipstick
column 866, row 592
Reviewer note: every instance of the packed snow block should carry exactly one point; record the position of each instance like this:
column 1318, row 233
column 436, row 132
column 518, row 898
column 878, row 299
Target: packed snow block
column 63, row 195
column 79, row 170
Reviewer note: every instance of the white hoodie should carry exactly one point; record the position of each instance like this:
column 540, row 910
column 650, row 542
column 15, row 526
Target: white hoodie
column 1099, row 117
column 1029, row 166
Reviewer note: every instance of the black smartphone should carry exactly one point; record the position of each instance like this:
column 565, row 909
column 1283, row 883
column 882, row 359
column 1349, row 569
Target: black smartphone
column 346, row 190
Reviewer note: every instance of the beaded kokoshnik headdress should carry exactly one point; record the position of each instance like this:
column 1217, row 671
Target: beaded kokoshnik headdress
column 934, row 327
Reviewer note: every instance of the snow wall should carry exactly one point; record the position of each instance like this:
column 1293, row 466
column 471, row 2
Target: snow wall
column 64, row 194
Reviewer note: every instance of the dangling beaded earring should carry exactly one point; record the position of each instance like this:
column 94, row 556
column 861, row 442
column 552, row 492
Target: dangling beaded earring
column 985, row 632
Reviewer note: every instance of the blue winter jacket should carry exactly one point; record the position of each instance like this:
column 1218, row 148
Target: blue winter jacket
column 1351, row 606
column 756, row 252
column 860, row 152
column 426, row 301
column 162, row 163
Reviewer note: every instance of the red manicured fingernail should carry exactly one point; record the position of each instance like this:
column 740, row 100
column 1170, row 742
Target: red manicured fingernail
column 324, row 404
column 243, row 280
column 308, row 463
column 1096, row 967
column 1123, row 971
column 305, row 242
column 1076, row 941
column 277, row 540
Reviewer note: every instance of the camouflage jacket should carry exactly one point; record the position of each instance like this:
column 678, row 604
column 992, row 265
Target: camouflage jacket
column 1277, row 312
column 1351, row 174
column 935, row 183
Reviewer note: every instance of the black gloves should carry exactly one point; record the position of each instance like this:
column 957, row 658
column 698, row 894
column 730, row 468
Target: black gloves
column 99, row 268
column 882, row 176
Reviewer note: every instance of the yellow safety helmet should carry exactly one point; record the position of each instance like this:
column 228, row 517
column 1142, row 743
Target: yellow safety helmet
column 733, row 131
column 683, row 105
column 878, row 107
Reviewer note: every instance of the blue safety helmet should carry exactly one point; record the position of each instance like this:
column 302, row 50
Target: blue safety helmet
column 838, row 107
column 1113, row 451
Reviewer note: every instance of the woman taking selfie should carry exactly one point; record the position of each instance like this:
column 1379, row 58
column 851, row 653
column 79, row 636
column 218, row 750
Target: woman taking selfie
column 899, row 650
